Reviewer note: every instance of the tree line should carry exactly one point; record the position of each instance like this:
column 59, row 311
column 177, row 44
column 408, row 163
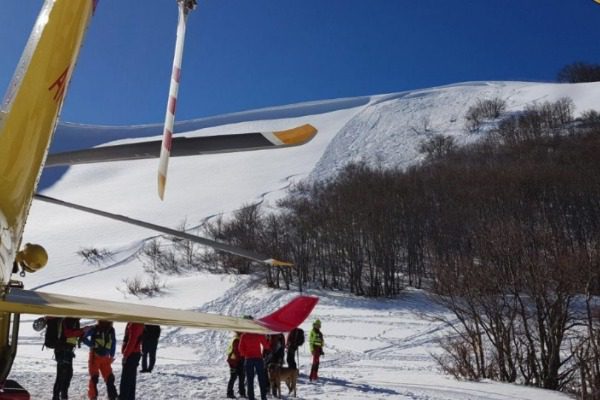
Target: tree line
column 505, row 233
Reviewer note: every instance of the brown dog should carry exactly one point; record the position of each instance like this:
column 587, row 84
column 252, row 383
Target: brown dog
column 282, row 374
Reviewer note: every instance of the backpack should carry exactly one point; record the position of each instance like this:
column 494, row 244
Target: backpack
column 54, row 336
column 53, row 332
column 296, row 337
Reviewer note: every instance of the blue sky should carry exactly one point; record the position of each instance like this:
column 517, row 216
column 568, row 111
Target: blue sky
column 243, row 54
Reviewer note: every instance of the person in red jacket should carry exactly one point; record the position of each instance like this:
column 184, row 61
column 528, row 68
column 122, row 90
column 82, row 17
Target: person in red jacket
column 251, row 348
column 132, row 352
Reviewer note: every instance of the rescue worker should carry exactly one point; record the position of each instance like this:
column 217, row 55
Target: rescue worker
column 149, row 345
column 315, row 342
column 64, row 352
column 236, row 368
column 102, row 342
column 251, row 348
column 132, row 352
column 295, row 339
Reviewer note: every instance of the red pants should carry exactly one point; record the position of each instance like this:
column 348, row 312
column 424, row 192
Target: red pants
column 314, row 371
column 101, row 365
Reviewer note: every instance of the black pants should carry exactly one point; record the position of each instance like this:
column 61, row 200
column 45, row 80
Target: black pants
column 239, row 374
column 64, row 373
column 252, row 365
column 291, row 357
column 129, row 377
column 149, row 355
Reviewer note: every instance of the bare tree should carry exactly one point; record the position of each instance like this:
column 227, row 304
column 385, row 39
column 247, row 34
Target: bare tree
column 579, row 72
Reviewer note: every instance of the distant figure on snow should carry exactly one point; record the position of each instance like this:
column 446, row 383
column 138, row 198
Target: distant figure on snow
column 149, row 345
column 102, row 342
column 315, row 342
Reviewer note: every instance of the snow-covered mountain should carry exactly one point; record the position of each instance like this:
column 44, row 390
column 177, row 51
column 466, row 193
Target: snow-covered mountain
column 375, row 349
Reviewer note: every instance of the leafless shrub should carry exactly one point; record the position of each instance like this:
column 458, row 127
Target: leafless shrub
column 186, row 251
column 537, row 121
column 460, row 359
column 579, row 72
column 95, row 256
column 156, row 259
column 591, row 117
column 437, row 147
column 151, row 287
column 244, row 230
column 484, row 110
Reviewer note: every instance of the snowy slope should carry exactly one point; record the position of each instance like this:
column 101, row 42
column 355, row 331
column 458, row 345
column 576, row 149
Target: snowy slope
column 374, row 348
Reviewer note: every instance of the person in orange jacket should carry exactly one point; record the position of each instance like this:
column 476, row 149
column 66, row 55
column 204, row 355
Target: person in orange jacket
column 251, row 348
column 102, row 342
column 132, row 352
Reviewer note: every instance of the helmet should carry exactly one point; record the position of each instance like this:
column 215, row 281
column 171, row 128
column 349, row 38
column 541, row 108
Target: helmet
column 317, row 323
column 32, row 257
column 39, row 324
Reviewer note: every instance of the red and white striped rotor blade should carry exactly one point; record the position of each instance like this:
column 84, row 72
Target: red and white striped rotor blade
column 165, row 151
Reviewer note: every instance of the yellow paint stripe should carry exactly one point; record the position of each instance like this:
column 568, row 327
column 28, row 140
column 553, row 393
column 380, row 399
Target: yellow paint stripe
column 162, row 183
column 295, row 136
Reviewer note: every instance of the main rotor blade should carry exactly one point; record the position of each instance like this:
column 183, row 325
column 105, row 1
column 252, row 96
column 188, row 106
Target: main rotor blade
column 165, row 148
column 187, row 146
column 184, row 235
column 284, row 319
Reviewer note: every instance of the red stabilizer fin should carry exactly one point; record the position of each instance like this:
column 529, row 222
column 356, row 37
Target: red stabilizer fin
column 291, row 315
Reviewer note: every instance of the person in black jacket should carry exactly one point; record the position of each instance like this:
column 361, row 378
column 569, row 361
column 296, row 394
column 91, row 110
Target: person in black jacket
column 295, row 339
column 68, row 335
column 149, row 345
